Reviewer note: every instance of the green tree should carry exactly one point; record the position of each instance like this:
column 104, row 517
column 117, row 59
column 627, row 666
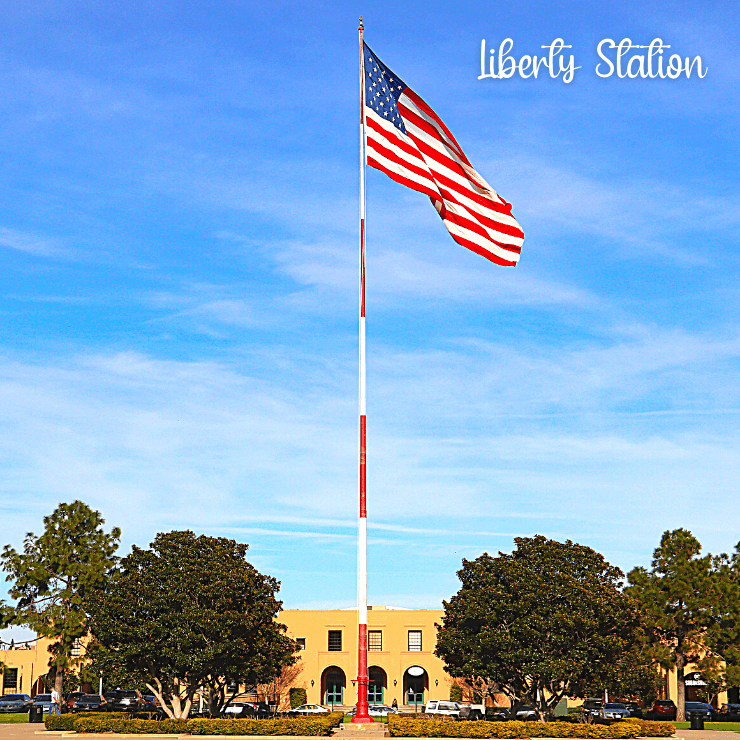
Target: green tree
column 71, row 679
column 54, row 572
column 190, row 612
column 683, row 597
column 104, row 664
column 633, row 675
column 725, row 638
column 544, row 622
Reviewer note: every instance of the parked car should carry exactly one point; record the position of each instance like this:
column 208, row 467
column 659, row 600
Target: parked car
column 699, row 707
column 91, row 703
column 730, row 713
column 498, row 714
column 377, row 710
column 663, row 709
column 590, row 709
column 443, row 708
column 71, row 698
column 260, row 710
column 634, row 709
column 310, row 709
column 471, row 711
column 43, row 701
column 614, row 710
column 123, row 700
column 151, row 704
column 526, row 713
column 15, row 703
column 254, row 709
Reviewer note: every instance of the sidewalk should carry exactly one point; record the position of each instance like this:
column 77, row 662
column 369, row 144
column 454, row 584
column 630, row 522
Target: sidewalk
column 28, row 731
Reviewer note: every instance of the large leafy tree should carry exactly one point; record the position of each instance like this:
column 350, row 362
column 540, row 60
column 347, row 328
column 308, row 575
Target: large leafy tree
column 633, row 675
column 544, row 622
column 191, row 612
column 691, row 604
column 725, row 637
column 52, row 575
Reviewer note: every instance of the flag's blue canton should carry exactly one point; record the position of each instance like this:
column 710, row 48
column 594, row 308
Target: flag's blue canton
column 382, row 89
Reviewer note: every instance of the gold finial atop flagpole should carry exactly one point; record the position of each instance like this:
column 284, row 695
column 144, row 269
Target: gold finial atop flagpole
column 362, row 25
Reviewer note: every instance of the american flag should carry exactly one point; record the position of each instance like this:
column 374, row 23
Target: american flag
column 408, row 141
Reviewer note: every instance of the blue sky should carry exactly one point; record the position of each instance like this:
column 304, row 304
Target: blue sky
column 178, row 262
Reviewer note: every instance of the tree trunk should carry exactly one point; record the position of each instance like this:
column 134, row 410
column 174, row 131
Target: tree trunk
column 59, row 681
column 680, row 686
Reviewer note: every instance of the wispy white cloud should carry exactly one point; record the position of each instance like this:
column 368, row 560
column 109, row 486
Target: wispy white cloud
column 396, row 275
column 643, row 217
column 166, row 444
column 33, row 244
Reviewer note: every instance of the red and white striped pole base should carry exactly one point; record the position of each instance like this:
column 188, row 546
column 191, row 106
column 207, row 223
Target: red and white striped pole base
column 361, row 715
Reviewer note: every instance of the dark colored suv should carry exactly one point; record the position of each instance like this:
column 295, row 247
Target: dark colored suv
column 123, row 700
column 663, row 709
column 699, row 707
column 634, row 708
column 590, row 709
column 90, row 703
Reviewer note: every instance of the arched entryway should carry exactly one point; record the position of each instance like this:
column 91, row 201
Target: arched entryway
column 377, row 684
column 415, row 685
column 333, row 684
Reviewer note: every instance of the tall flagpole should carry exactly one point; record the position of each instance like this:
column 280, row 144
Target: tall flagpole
column 361, row 714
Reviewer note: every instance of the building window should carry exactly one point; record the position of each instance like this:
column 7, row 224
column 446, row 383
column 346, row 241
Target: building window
column 301, row 642
column 375, row 640
column 76, row 647
column 10, row 678
column 414, row 641
column 335, row 641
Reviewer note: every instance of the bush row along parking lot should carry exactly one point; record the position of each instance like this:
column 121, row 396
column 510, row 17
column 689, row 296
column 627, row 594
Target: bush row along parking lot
column 119, row 723
column 400, row 726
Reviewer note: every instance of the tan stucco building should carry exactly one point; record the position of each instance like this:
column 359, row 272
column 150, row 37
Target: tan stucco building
column 23, row 664
column 401, row 660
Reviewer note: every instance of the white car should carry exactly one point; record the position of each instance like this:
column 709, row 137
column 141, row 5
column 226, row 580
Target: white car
column 310, row 709
column 377, row 710
column 526, row 713
column 445, row 708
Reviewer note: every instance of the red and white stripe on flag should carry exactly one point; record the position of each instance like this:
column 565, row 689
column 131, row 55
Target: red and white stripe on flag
column 420, row 152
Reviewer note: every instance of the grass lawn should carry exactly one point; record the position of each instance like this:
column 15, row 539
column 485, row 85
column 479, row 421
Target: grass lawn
column 6, row 719
column 726, row 726
column 350, row 717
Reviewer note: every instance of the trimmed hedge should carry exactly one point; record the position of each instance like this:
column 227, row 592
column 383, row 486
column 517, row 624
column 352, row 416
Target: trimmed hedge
column 321, row 724
column 65, row 722
column 97, row 723
column 297, row 697
column 400, row 726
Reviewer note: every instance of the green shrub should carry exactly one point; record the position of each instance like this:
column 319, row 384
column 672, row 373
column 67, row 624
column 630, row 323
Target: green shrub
column 65, row 722
column 118, row 724
column 455, row 693
column 400, row 726
column 297, row 697
column 316, row 725
column 59, row 722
